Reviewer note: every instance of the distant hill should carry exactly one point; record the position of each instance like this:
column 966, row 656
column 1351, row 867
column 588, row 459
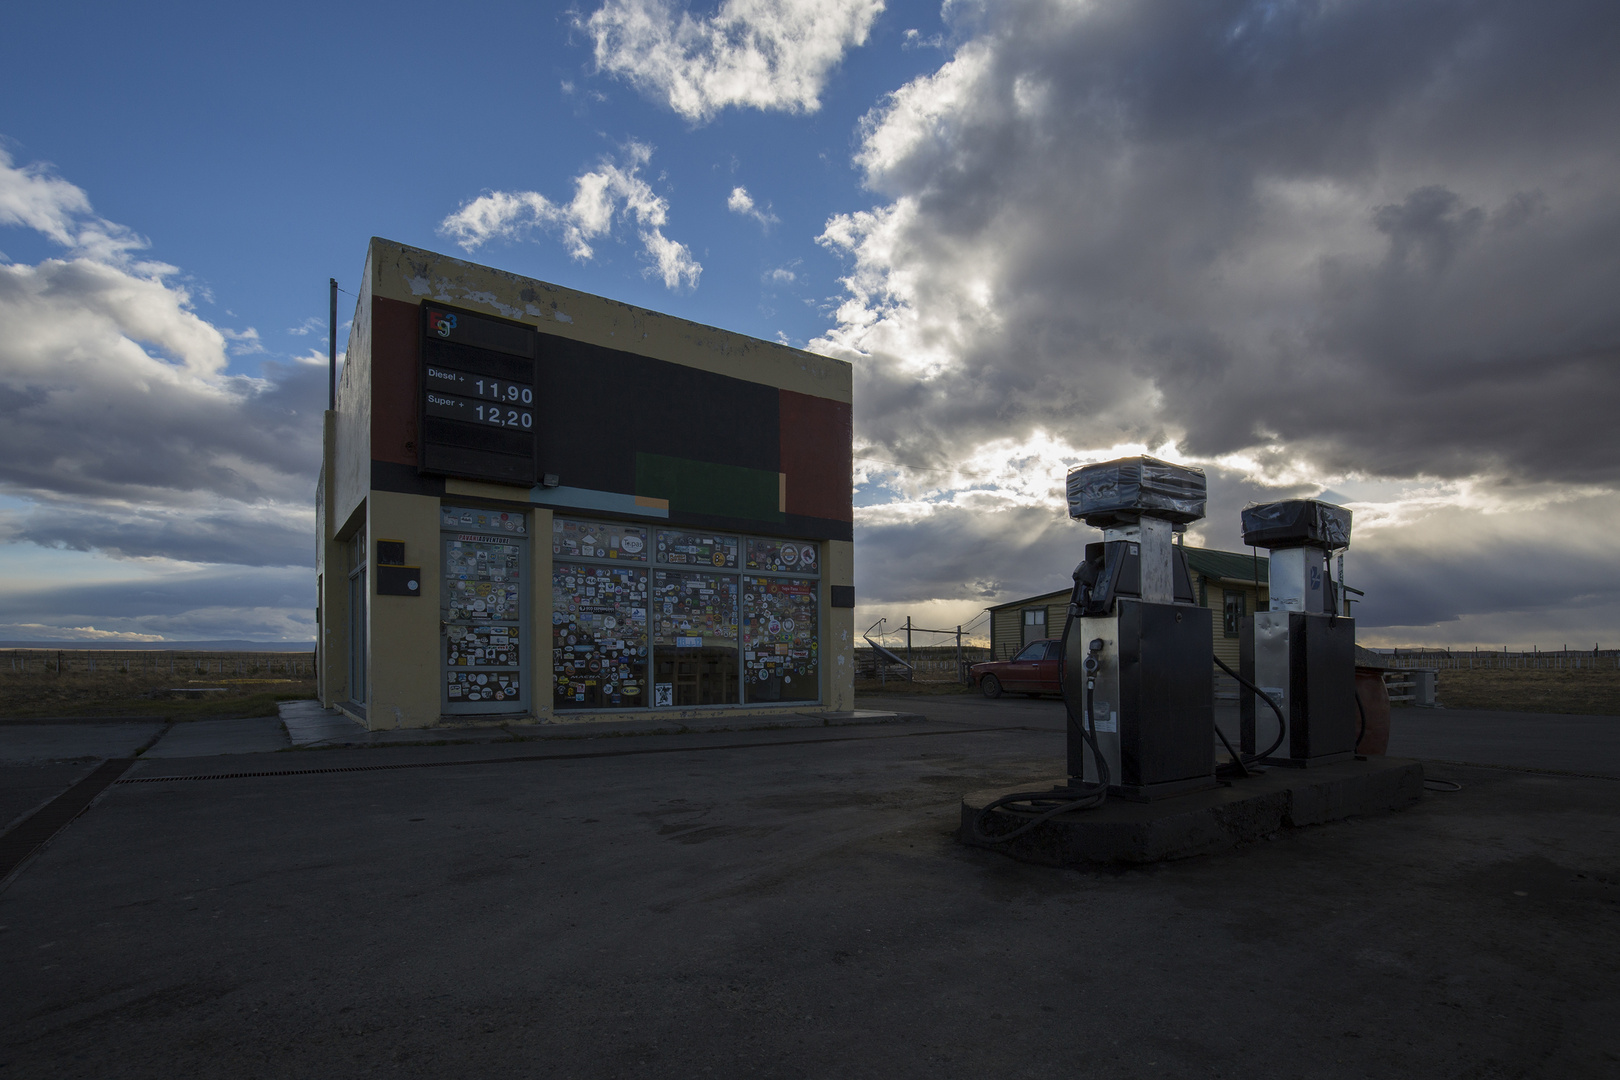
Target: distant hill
column 167, row 646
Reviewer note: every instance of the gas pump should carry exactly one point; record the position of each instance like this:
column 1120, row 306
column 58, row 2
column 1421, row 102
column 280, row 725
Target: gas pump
column 1137, row 647
column 1301, row 652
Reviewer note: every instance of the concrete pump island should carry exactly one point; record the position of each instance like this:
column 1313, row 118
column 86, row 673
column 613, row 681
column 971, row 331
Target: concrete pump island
column 1142, row 780
column 538, row 505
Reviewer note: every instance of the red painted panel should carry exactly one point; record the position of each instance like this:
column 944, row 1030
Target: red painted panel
column 816, row 436
column 395, row 333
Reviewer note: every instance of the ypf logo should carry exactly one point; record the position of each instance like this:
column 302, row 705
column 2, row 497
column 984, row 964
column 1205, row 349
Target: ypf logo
column 442, row 322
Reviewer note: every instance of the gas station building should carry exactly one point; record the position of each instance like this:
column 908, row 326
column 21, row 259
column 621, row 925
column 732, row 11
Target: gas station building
column 538, row 505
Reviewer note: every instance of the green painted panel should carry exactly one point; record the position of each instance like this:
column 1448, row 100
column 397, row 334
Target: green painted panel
column 702, row 487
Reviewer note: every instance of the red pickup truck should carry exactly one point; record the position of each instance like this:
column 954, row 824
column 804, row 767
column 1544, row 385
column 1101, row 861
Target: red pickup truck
column 1036, row 670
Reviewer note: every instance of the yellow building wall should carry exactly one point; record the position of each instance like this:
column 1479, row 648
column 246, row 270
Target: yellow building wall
column 402, row 655
column 837, row 628
column 1004, row 631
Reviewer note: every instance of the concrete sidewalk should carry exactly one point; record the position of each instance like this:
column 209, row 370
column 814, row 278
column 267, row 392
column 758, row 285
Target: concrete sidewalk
column 211, row 738
column 309, row 726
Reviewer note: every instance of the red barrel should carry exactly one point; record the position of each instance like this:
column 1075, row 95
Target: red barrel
column 1374, row 698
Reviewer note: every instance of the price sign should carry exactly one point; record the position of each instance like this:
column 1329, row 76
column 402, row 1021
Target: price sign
column 473, row 411
column 478, row 396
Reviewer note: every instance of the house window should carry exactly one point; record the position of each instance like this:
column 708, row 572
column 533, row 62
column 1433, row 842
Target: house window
column 1237, row 606
column 1034, row 624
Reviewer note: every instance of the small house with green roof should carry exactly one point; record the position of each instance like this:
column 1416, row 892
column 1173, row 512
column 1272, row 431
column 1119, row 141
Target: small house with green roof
column 1230, row 584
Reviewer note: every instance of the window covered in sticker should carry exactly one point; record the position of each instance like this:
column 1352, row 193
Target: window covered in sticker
column 780, row 640
column 572, row 539
column 784, row 556
column 697, row 549
column 483, row 597
column 599, row 636
column 694, row 638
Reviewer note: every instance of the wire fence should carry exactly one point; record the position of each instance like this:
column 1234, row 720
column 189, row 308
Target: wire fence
column 930, row 663
column 1485, row 660
column 151, row 662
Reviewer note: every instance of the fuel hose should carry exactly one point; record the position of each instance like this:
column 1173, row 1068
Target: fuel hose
column 1057, row 800
column 1282, row 724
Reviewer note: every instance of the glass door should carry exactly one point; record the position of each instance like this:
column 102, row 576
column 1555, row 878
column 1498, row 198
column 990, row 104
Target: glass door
column 483, row 612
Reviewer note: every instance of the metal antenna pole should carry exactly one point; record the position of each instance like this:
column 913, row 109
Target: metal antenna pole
column 331, row 345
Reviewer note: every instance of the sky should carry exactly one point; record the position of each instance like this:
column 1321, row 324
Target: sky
column 1364, row 251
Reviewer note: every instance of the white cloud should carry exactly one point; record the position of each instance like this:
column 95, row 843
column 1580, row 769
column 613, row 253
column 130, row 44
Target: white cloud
column 308, row 326
column 243, row 342
column 782, row 276
column 608, row 193
column 31, row 196
column 762, row 54
column 740, row 202
column 124, row 436
column 49, row 632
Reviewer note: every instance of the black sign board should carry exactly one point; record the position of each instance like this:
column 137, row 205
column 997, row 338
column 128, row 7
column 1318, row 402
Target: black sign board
column 477, row 396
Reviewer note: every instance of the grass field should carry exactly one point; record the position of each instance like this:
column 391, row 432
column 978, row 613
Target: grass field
column 38, row 683
column 1582, row 692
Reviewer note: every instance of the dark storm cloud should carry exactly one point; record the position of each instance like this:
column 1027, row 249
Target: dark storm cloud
column 163, row 600
column 240, row 535
column 110, row 388
column 1426, row 587
column 1378, row 237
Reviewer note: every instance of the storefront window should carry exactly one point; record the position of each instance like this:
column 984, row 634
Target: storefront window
column 598, row 540
column 483, row 599
column 697, row 549
column 599, row 636
column 716, row 619
column 789, row 556
column 780, row 639
column 694, row 638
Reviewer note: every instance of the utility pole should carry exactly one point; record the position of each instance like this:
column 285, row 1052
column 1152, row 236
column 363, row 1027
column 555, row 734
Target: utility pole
column 331, row 344
column 909, row 658
column 959, row 652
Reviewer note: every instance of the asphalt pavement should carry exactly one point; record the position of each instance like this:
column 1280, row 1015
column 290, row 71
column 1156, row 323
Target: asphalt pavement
column 788, row 903
column 1578, row 744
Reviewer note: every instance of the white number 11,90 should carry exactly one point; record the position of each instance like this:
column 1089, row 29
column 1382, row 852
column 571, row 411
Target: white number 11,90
column 505, row 391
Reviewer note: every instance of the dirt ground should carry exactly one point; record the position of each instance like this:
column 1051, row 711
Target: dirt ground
column 1583, row 692
column 31, row 686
